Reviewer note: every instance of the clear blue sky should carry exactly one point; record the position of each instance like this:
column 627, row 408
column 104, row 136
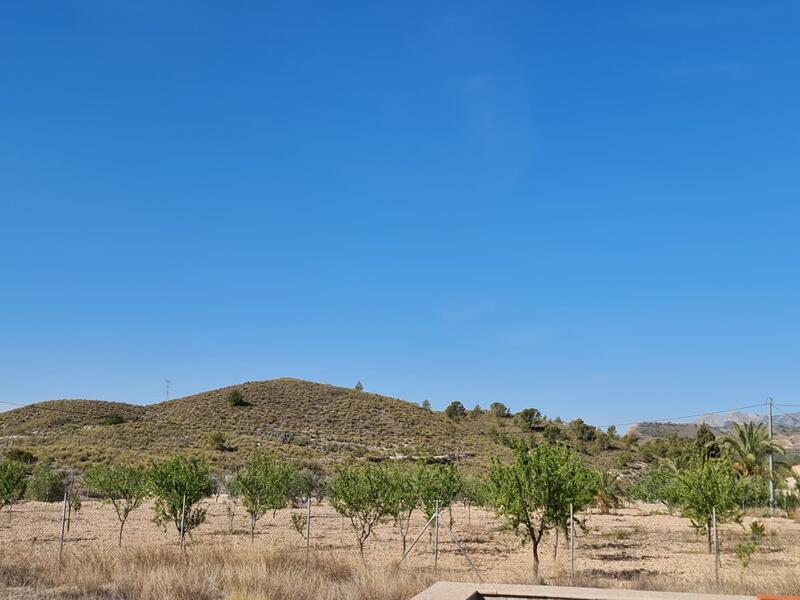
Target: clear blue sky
column 587, row 207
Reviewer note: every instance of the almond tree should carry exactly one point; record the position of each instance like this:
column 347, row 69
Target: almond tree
column 124, row 487
column 264, row 485
column 361, row 494
column 533, row 494
column 178, row 480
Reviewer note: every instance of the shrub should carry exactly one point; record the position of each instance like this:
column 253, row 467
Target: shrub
column 21, row 456
column 12, row 483
column 114, row 419
column 216, row 440
column 359, row 386
column 45, row 485
column 235, row 398
column 175, row 480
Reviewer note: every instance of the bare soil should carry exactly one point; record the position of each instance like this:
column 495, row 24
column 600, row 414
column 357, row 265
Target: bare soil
column 640, row 546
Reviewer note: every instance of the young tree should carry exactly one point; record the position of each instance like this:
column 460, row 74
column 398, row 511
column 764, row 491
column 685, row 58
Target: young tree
column 473, row 492
column 437, row 483
column 359, row 386
column 359, row 493
column 12, row 484
column 426, row 404
column 401, row 499
column 533, row 494
column 171, row 482
column 705, row 486
column 264, row 485
column 124, row 487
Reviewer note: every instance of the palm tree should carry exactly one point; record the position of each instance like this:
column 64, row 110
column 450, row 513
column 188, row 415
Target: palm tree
column 749, row 448
column 609, row 491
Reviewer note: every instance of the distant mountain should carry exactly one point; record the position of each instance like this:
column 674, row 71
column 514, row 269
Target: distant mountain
column 789, row 421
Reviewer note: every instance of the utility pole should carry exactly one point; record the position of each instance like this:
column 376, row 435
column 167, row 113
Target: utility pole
column 771, row 478
column 166, row 387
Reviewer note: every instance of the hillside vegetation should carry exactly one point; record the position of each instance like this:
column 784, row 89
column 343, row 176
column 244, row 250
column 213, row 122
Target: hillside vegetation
column 298, row 419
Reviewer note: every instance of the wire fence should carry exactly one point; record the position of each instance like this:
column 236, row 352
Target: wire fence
column 463, row 539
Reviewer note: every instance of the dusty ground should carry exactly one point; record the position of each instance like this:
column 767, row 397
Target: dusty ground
column 638, row 547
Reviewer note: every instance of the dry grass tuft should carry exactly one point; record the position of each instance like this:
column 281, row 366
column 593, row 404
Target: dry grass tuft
column 207, row 573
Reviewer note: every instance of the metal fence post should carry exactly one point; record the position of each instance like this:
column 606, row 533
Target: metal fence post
column 715, row 541
column 63, row 525
column 183, row 520
column 571, row 545
column 308, row 530
column 436, row 540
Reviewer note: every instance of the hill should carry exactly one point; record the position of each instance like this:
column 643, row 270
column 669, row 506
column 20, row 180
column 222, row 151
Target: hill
column 301, row 419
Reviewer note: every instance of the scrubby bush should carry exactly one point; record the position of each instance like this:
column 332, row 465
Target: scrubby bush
column 235, row 398
column 12, row 483
column 46, row 484
column 22, row 456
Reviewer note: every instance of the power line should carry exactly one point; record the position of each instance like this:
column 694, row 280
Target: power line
column 786, row 414
column 672, row 419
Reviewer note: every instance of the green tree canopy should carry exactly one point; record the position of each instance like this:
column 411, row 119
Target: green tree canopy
column 437, row 482
column 455, row 409
column 500, row 410
column 361, row 494
column 12, row 483
column 533, row 494
column 124, row 487
column 264, row 485
column 705, row 486
column 172, row 481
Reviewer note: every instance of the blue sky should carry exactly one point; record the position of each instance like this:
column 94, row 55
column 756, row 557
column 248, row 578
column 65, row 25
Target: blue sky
column 588, row 207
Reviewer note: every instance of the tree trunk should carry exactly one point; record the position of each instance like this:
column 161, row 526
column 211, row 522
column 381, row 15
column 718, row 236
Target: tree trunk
column 252, row 528
column 555, row 547
column 708, row 532
column 535, row 549
column 121, row 526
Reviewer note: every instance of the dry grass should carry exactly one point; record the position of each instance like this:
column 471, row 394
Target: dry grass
column 206, row 573
column 630, row 549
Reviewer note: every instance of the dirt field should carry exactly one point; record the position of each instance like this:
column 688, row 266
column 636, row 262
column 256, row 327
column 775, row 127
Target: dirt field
column 637, row 547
